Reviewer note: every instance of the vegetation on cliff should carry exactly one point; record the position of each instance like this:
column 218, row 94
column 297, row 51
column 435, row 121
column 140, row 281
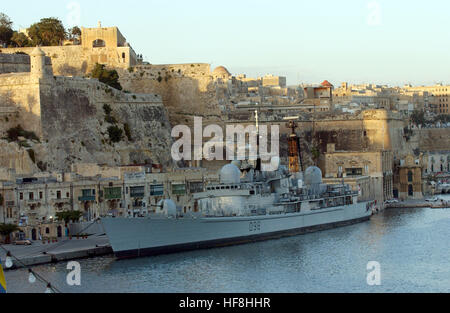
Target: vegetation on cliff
column 14, row 133
column 115, row 134
column 108, row 77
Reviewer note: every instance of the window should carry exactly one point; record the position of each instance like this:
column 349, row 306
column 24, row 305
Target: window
column 58, row 194
column 410, row 176
column 31, row 195
column 21, row 196
column 41, row 195
column 67, row 195
column 157, row 190
column 98, row 43
column 354, row 171
column 179, row 189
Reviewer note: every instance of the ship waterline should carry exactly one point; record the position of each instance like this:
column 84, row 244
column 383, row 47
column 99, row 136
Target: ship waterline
column 136, row 237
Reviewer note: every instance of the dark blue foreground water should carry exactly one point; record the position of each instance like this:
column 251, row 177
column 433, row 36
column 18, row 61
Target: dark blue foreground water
column 412, row 246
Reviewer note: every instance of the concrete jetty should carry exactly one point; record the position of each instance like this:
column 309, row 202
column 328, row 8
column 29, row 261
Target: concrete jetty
column 64, row 250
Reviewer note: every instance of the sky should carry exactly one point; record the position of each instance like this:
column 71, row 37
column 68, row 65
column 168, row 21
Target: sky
column 358, row 41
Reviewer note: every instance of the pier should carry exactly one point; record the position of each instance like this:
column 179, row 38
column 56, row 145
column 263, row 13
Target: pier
column 65, row 250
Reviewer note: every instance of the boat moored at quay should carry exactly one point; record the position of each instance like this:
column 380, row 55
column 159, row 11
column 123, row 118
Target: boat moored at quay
column 246, row 206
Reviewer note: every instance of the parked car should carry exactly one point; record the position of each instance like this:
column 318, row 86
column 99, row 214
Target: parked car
column 24, row 242
column 434, row 199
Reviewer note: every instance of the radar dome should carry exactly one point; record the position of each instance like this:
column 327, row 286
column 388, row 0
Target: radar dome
column 168, row 207
column 230, row 174
column 313, row 176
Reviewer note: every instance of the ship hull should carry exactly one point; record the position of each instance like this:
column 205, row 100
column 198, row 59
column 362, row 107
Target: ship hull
column 131, row 238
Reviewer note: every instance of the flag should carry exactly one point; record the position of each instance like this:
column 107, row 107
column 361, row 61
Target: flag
column 2, row 279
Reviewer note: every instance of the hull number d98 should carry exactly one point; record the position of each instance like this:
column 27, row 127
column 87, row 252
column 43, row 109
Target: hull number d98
column 255, row 226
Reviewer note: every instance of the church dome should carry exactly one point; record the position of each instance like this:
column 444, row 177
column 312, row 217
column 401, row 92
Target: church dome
column 221, row 71
column 230, row 174
column 313, row 176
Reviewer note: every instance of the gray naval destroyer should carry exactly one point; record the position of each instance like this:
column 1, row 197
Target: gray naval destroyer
column 247, row 205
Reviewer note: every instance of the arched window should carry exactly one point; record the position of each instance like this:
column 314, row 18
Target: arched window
column 98, row 43
column 410, row 176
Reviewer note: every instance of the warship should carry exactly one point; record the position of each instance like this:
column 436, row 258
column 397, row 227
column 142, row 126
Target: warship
column 247, row 205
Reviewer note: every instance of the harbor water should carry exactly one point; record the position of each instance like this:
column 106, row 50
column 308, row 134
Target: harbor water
column 410, row 245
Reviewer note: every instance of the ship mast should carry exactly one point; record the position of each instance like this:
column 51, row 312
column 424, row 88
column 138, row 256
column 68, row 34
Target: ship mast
column 295, row 153
column 258, row 158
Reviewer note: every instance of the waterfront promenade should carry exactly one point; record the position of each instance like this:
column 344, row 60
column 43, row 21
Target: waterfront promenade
column 64, row 250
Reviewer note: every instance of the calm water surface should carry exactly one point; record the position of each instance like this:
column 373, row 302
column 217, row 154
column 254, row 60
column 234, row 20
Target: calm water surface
column 412, row 246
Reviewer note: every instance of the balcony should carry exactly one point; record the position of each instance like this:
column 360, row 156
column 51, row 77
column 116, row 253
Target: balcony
column 86, row 198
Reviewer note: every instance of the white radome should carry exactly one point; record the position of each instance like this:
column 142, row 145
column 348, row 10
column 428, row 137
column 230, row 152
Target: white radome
column 230, row 174
column 168, row 207
column 313, row 176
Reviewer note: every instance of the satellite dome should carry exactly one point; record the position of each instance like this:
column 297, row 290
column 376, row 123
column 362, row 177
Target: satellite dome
column 313, row 176
column 168, row 207
column 230, row 174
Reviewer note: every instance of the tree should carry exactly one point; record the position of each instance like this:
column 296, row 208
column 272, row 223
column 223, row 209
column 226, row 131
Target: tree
column 48, row 32
column 7, row 229
column 20, row 40
column 115, row 134
column 418, row 117
column 6, row 31
column 74, row 33
column 69, row 216
column 109, row 77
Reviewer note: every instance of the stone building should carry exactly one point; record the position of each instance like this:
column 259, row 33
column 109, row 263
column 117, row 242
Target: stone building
column 410, row 184
column 438, row 162
column 103, row 45
column 349, row 165
column 318, row 98
column 437, row 96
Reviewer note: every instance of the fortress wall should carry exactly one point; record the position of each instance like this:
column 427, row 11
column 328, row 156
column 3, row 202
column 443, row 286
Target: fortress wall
column 76, row 131
column 19, row 63
column 14, row 63
column 79, row 60
column 187, row 90
column 433, row 139
column 20, row 102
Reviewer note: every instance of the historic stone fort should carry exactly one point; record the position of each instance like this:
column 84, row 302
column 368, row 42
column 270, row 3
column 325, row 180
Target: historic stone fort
column 48, row 92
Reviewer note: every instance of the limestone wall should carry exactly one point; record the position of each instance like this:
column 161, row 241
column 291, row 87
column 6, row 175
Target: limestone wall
column 19, row 102
column 187, row 89
column 75, row 129
column 79, row 60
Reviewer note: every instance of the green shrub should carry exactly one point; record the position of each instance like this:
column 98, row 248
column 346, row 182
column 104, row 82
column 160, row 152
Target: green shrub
column 14, row 133
column 107, row 109
column 109, row 77
column 115, row 133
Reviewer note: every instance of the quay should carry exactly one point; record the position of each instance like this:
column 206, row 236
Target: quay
column 64, row 250
column 410, row 204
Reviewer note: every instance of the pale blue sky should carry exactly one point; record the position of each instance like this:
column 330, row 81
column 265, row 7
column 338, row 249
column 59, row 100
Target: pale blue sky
column 307, row 41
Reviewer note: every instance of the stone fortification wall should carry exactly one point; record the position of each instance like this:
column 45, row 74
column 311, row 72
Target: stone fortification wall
column 79, row 60
column 433, row 139
column 187, row 90
column 19, row 63
column 68, row 116
column 75, row 126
